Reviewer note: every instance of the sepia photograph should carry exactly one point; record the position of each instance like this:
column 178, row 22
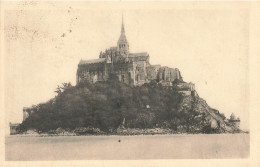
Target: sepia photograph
column 126, row 80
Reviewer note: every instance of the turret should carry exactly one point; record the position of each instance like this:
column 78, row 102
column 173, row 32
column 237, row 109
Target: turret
column 234, row 121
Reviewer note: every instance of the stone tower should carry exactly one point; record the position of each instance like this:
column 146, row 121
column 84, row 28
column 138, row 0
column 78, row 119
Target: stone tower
column 122, row 44
column 235, row 121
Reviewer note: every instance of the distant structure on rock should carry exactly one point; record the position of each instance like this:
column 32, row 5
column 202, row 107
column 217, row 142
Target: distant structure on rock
column 131, row 68
column 13, row 128
column 234, row 121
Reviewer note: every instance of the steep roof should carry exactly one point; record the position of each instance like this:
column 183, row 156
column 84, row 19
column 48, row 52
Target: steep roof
column 113, row 48
column 122, row 38
column 101, row 60
column 138, row 54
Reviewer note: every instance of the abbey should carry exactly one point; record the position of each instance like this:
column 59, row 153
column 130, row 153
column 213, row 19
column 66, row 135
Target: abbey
column 131, row 68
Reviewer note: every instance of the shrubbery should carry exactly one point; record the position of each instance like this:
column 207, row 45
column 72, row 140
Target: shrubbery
column 104, row 105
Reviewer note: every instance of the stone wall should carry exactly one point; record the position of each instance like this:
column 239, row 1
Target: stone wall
column 93, row 72
column 140, row 74
column 152, row 72
column 183, row 86
column 133, row 69
column 234, row 123
column 167, row 74
column 13, row 128
column 185, row 93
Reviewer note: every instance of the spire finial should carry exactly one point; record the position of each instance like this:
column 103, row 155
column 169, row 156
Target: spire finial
column 122, row 18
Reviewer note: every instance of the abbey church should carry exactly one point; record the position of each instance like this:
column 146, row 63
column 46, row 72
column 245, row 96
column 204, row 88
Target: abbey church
column 131, row 68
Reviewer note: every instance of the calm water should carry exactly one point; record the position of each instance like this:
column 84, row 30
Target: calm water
column 127, row 147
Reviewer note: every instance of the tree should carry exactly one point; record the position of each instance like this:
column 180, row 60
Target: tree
column 105, row 104
column 63, row 87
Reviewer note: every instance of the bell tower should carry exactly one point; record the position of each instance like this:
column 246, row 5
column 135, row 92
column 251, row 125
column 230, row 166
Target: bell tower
column 122, row 44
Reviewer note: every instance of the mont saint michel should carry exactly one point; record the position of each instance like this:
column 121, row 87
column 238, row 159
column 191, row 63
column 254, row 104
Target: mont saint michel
column 122, row 93
column 109, row 81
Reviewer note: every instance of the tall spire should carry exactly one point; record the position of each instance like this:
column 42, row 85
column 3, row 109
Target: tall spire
column 122, row 44
column 123, row 27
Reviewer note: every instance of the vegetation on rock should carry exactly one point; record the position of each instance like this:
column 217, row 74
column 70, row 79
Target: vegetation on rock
column 104, row 105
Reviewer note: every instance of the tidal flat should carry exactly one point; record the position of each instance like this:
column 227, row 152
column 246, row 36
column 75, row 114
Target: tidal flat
column 175, row 146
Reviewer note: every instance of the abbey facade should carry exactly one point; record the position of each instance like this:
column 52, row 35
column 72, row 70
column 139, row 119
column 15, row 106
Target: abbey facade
column 131, row 68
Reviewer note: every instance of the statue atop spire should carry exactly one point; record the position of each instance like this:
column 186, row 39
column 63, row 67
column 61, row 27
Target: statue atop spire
column 122, row 44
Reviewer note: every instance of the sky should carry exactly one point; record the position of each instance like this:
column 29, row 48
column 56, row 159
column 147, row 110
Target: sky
column 208, row 45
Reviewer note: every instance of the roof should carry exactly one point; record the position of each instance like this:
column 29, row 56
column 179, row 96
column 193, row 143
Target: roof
column 122, row 38
column 154, row 66
column 138, row 54
column 101, row 60
column 113, row 48
column 14, row 124
column 178, row 81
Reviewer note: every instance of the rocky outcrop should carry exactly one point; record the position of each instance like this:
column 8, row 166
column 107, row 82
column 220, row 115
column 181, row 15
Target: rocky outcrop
column 87, row 130
column 116, row 108
column 213, row 116
column 137, row 131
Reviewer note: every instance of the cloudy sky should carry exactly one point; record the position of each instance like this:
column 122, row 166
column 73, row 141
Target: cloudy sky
column 209, row 44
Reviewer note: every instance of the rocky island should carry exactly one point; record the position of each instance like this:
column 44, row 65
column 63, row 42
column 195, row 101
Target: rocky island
column 122, row 93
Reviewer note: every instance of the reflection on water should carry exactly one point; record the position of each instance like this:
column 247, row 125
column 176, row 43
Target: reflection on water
column 127, row 147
